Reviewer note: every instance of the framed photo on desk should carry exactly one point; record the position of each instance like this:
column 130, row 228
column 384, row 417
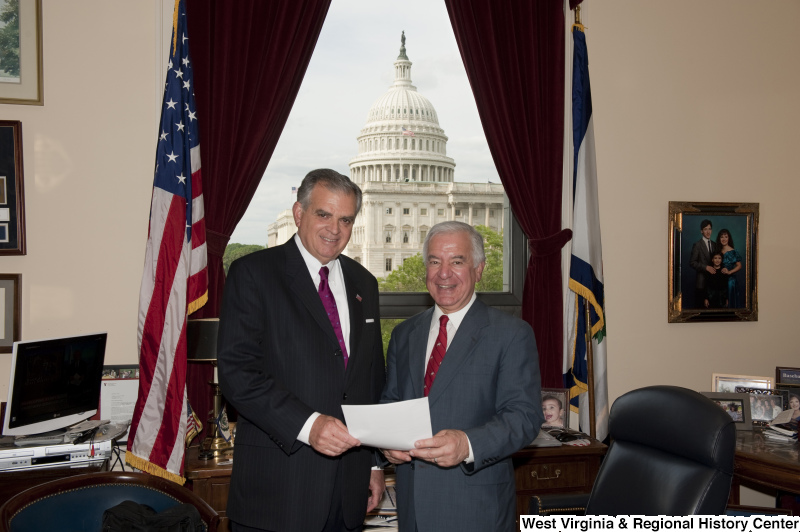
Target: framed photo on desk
column 736, row 405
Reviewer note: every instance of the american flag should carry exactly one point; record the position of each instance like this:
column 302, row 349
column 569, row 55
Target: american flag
column 193, row 424
column 294, row 190
column 407, row 132
column 175, row 281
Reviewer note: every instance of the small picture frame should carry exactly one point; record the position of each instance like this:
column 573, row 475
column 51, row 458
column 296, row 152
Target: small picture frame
column 12, row 191
column 787, row 376
column 698, row 288
column 726, row 383
column 21, row 80
column 555, row 406
column 736, row 405
column 765, row 403
column 10, row 310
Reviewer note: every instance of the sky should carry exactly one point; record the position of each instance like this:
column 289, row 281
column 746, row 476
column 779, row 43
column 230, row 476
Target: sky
column 353, row 66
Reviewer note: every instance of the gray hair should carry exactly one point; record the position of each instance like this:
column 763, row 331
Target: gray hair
column 446, row 228
column 330, row 179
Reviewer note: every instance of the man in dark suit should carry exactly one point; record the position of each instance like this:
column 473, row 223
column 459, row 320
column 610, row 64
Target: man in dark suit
column 700, row 261
column 300, row 336
column 483, row 387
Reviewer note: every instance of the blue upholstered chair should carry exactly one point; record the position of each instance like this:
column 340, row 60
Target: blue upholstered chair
column 77, row 503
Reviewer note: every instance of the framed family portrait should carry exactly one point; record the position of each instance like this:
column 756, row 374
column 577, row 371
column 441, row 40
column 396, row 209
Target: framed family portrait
column 21, row 72
column 713, row 266
column 10, row 307
column 736, row 405
column 555, row 406
column 765, row 403
column 12, row 194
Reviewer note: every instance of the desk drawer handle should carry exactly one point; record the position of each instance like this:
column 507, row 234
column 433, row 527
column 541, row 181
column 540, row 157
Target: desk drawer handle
column 535, row 475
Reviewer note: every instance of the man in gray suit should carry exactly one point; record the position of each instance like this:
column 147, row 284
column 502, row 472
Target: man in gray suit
column 700, row 261
column 481, row 377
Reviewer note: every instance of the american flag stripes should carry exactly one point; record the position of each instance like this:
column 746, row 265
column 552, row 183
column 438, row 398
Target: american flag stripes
column 407, row 132
column 174, row 282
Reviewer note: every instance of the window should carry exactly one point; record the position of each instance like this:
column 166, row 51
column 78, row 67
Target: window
column 422, row 234
column 458, row 212
column 388, row 237
column 389, row 265
column 491, row 213
column 406, row 210
column 423, row 212
column 388, row 210
column 439, row 212
column 405, row 237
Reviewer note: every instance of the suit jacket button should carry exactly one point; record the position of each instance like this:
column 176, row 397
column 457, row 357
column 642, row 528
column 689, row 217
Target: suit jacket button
column 412, row 465
column 344, row 397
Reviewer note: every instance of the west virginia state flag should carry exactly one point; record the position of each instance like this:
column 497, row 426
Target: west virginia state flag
column 586, row 267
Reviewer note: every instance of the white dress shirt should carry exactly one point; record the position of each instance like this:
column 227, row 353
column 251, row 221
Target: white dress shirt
column 336, row 283
column 453, row 323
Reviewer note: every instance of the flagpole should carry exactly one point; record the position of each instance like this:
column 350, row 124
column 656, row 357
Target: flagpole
column 590, row 370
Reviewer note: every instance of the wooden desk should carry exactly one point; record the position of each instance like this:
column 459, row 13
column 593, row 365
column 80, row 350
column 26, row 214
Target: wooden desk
column 18, row 480
column 211, row 481
column 765, row 462
column 564, row 469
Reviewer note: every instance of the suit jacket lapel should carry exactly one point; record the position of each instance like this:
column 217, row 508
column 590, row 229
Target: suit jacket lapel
column 302, row 286
column 417, row 347
column 461, row 348
column 356, row 310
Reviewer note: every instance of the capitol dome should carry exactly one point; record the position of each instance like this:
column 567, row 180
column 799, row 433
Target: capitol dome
column 402, row 140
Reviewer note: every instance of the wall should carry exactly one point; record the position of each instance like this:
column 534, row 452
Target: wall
column 693, row 101
column 88, row 158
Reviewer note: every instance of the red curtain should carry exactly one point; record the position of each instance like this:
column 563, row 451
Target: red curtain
column 513, row 52
column 250, row 57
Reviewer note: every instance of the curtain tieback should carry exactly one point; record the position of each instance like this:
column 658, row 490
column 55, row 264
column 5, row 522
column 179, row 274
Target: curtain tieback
column 216, row 243
column 542, row 247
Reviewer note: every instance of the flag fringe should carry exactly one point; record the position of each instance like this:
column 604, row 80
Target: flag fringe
column 197, row 303
column 149, row 467
column 588, row 295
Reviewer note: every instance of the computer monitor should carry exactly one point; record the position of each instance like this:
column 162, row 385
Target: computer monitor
column 54, row 383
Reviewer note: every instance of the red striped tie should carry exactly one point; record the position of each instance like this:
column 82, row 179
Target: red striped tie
column 437, row 355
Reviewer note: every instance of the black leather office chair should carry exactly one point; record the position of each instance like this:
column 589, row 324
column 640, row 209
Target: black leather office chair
column 77, row 503
column 672, row 453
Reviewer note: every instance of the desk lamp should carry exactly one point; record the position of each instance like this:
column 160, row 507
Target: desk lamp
column 201, row 347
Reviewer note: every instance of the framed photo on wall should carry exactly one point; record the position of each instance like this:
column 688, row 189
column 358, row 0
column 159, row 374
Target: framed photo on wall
column 713, row 266
column 21, row 72
column 12, row 193
column 10, row 307
column 555, row 406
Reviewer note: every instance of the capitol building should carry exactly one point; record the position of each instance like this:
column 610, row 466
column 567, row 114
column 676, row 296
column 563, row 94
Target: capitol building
column 407, row 181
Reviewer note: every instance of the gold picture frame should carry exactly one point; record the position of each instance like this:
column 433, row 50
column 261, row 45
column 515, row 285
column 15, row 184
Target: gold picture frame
column 728, row 291
column 23, row 82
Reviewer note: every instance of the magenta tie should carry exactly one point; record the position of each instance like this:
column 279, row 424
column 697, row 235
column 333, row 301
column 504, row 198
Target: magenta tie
column 437, row 354
column 329, row 303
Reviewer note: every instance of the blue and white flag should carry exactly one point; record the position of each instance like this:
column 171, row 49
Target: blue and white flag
column 586, row 267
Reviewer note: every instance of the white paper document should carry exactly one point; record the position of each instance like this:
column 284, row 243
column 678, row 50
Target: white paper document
column 390, row 426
